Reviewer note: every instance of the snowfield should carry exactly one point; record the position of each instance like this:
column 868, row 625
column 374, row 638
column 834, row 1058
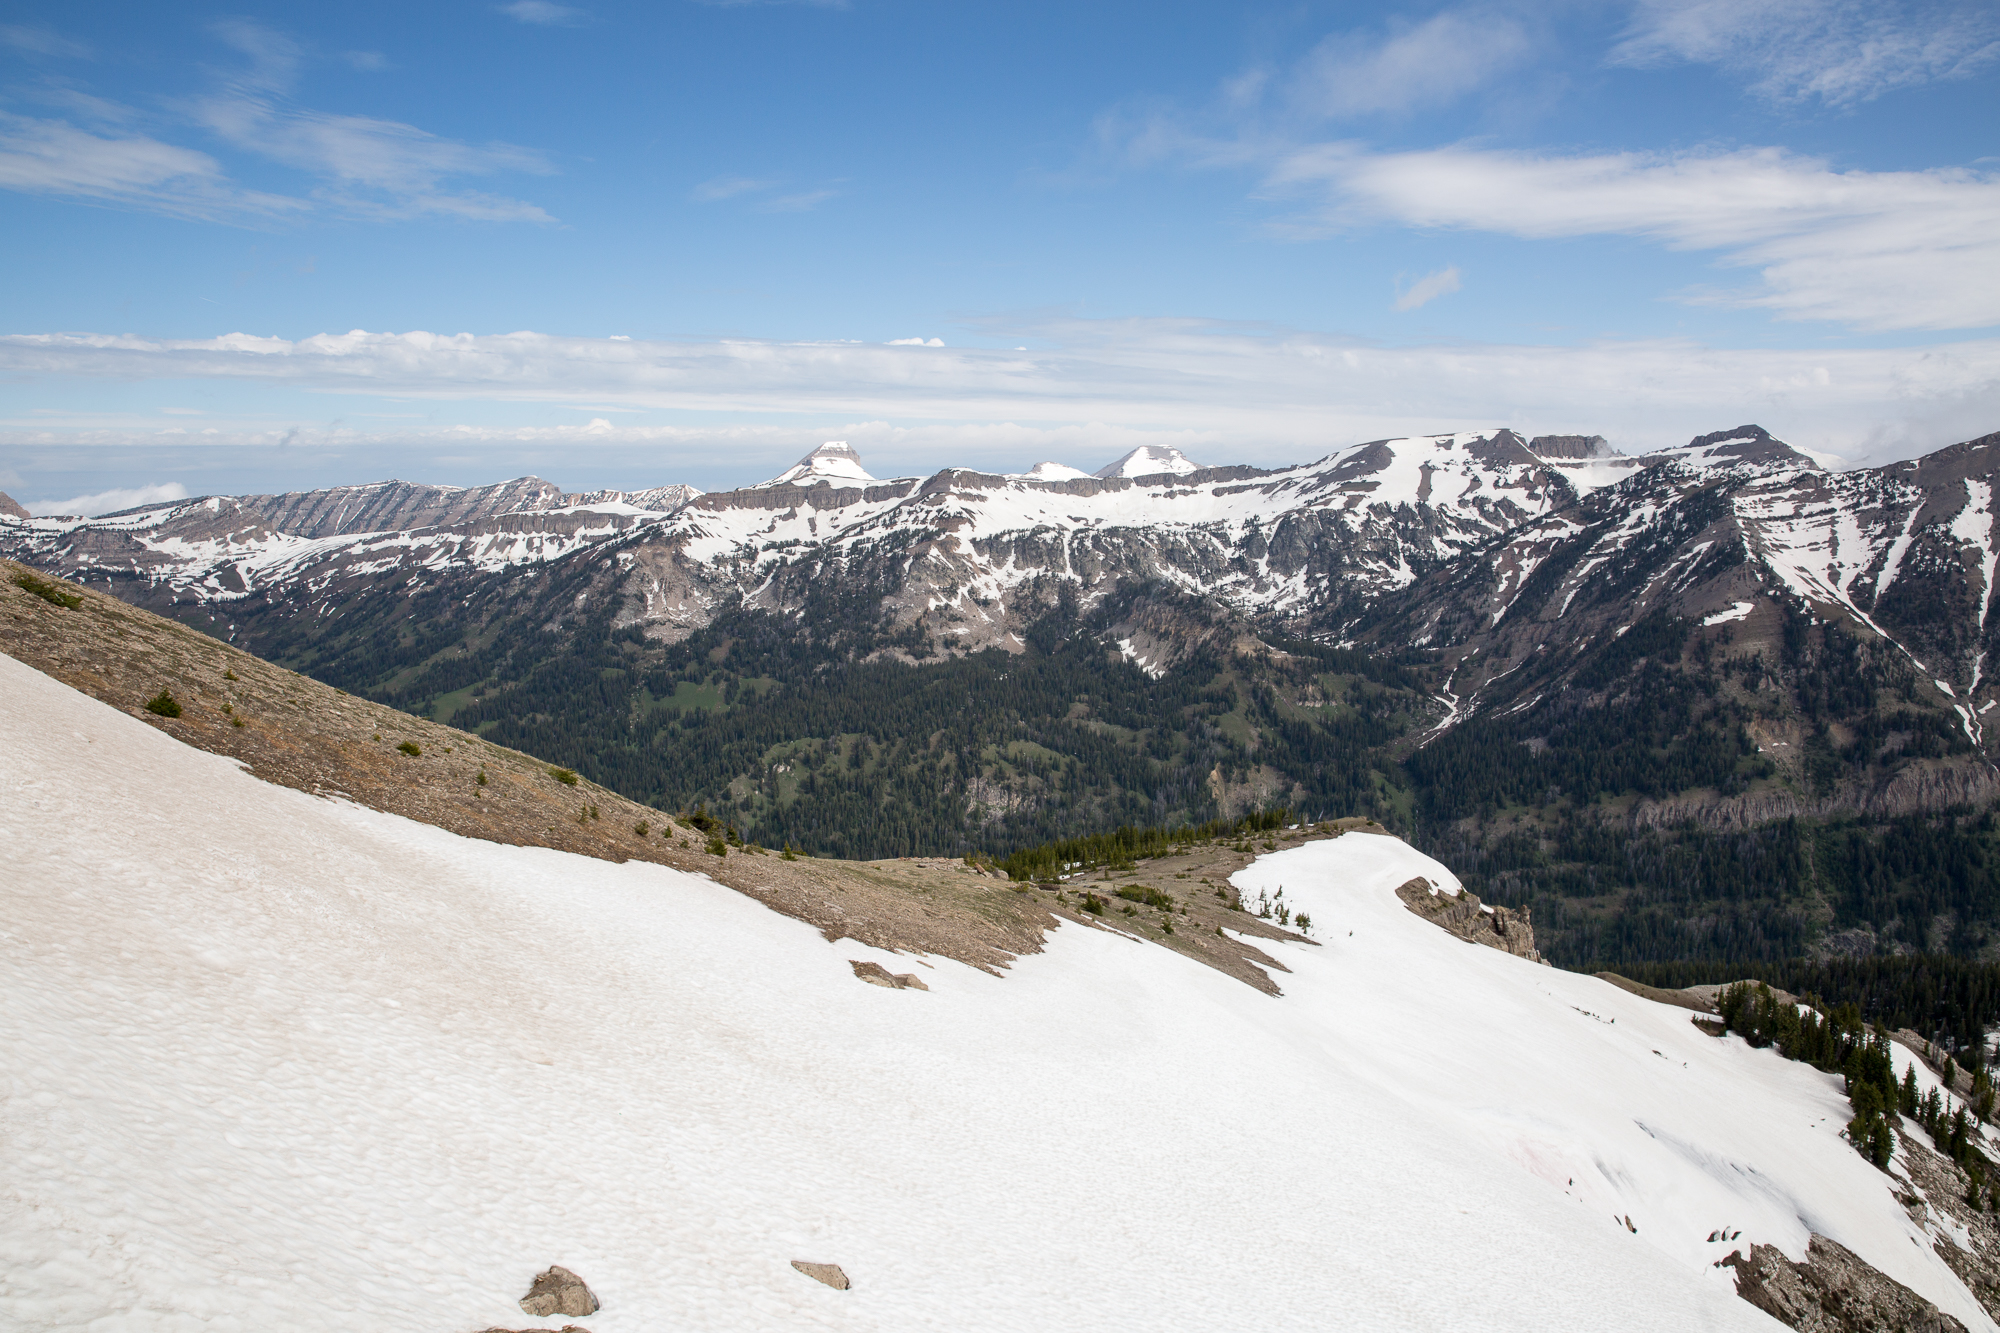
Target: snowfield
column 275, row 1062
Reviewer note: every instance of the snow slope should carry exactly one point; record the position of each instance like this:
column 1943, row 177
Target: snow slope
column 278, row 1062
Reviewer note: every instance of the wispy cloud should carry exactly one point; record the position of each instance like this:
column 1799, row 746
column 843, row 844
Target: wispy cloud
column 360, row 166
column 41, row 40
column 1277, row 394
column 1409, row 65
column 542, row 12
column 1877, row 250
column 747, row 4
column 728, row 187
column 382, row 168
column 744, row 187
column 1427, row 288
column 803, row 202
column 53, row 157
column 1839, row 51
column 110, row 502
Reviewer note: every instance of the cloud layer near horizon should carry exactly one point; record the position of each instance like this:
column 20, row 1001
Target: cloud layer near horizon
column 1252, row 393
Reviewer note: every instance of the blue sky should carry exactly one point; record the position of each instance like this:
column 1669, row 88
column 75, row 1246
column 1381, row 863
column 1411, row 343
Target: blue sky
column 687, row 241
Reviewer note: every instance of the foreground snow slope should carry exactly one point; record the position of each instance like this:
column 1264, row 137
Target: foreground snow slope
column 276, row 1062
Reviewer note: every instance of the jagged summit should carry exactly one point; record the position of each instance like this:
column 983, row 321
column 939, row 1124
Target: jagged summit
column 1052, row 472
column 1150, row 460
column 834, row 461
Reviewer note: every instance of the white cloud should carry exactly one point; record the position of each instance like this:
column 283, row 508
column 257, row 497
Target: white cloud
column 1880, row 250
column 1428, row 288
column 1840, row 51
column 916, row 342
column 1424, row 65
column 1273, row 394
column 542, row 12
column 109, row 502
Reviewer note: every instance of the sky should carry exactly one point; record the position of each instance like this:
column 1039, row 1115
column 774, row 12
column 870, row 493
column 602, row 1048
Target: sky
column 272, row 247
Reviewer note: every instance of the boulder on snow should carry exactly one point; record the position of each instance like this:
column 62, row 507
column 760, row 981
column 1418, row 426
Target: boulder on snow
column 877, row 975
column 827, row 1273
column 558, row 1291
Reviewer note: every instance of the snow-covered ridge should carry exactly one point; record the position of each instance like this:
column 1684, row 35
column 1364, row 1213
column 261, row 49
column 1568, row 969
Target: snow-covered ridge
column 302, row 1080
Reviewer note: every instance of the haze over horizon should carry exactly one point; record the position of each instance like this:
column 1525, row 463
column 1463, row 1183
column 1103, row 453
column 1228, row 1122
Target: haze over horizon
column 619, row 245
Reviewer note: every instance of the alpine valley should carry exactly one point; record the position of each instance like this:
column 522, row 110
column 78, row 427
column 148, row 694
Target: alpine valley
column 1716, row 704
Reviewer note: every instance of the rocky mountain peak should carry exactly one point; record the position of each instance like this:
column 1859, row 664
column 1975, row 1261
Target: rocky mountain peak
column 835, row 461
column 1751, row 446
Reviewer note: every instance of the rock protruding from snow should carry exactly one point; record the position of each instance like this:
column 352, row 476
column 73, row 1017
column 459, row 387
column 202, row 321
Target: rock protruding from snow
column 1471, row 920
column 1052, row 472
column 1833, row 1290
column 11, row 508
column 1150, row 460
column 834, row 461
column 877, row 975
column 1572, row 446
column 1745, row 446
column 558, row 1291
column 830, row 1274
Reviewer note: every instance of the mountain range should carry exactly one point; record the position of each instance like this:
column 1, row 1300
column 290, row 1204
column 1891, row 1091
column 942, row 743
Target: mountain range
column 1712, row 702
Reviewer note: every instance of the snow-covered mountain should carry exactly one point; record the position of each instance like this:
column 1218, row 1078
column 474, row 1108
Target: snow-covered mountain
column 1150, row 460
column 1739, row 530
column 950, row 551
column 303, row 544
column 369, row 1072
column 834, row 462
column 1482, row 546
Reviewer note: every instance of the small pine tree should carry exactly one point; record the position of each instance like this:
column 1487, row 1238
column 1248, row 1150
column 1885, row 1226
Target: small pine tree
column 164, row 704
column 1869, row 1130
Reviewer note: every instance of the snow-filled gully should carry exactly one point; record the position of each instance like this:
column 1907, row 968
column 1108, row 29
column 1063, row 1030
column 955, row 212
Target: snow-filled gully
column 275, row 1062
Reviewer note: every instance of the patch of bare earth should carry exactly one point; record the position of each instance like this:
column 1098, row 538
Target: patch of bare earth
column 297, row 732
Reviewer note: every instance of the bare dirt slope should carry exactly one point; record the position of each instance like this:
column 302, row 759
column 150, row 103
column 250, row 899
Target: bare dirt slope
column 297, row 732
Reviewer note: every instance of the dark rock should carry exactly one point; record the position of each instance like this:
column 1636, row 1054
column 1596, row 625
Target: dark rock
column 877, row 975
column 558, row 1291
column 1833, row 1291
column 827, row 1273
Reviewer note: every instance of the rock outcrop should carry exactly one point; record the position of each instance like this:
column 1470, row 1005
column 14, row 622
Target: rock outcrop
column 1465, row 916
column 558, row 1291
column 877, row 975
column 1834, row 1291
